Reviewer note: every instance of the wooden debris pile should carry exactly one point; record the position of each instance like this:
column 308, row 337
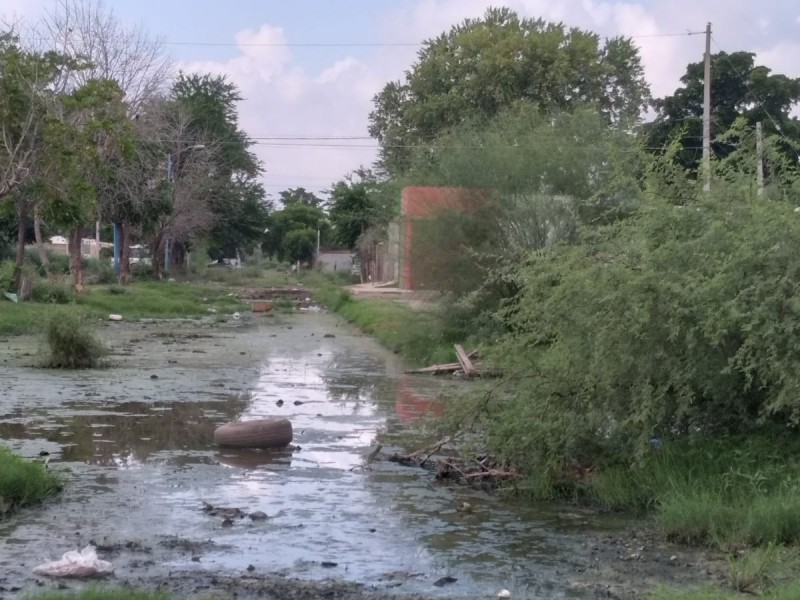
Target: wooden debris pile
column 482, row 472
column 468, row 364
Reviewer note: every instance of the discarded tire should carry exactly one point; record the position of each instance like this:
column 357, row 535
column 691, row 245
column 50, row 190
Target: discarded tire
column 273, row 432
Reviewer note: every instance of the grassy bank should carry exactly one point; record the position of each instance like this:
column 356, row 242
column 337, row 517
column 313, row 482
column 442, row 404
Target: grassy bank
column 138, row 300
column 729, row 493
column 789, row 592
column 417, row 336
column 23, row 482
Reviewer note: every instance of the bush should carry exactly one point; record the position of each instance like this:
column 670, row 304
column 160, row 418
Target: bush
column 72, row 343
column 99, row 271
column 51, row 292
column 142, row 271
column 681, row 320
column 23, row 482
column 6, row 276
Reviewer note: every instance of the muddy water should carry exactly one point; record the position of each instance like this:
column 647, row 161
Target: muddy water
column 135, row 442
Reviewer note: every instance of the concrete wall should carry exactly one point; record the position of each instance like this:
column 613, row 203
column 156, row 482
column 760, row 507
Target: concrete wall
column 339, row 261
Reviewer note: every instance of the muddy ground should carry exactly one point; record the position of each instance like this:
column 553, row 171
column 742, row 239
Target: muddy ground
column 135, row 445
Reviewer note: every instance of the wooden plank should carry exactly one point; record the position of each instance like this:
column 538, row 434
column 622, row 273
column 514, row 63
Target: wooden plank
column 435, row 369
column 466, row 363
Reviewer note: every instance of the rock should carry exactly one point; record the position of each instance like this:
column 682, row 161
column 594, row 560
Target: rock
column 227, row 523
column 446, row 580
column 236, row 316
column 279, row 403
column 329, row 335
column 258, row 516
column 504, row 594
column 115, row 317
column 251, row 568
column 153, row 376
column 326, row 564
column 464, row 507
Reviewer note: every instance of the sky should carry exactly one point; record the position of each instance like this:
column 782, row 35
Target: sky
column 310, row 68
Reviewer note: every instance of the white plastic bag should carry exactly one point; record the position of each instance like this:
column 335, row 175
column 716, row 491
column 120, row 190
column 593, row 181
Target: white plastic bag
column 76, row 564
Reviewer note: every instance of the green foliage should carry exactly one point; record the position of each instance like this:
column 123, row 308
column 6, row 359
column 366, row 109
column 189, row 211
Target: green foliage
column 100, row 270
column 72, row 343
column 300, row 196
column 417, row 336
column 483, row 66
column 54, row 291
column 360, row 202
column 740, row 90
column 23, row 482
column 292, row 232
column 6, row 276
column 787, row 592
column 678, row 320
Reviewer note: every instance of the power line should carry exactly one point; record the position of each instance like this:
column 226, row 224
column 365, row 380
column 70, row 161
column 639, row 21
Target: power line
column 332, row 44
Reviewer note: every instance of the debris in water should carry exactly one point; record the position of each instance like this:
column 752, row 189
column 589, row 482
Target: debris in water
column 76, row 564
column 504, row 594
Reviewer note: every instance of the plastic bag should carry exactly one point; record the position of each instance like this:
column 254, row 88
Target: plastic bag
column 76, row 564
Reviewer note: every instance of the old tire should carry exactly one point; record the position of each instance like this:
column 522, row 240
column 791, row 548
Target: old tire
column 273, row 432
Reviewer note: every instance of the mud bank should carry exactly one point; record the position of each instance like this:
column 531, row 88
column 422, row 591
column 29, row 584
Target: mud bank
column 135, row 444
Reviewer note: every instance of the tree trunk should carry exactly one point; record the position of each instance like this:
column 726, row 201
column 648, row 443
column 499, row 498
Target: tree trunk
column 20, row 258
column 178, row 258
column 155, row 256
column 37, row 230
column 76, row 260
column 125, row 254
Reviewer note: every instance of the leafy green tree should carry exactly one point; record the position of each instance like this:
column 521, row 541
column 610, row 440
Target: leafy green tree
column 26, row 81
column 300, row 195
column 359, row 202
column 740, row 89
column 483, row 66
column 292, row 232
column 89, row 131
column 237, row 200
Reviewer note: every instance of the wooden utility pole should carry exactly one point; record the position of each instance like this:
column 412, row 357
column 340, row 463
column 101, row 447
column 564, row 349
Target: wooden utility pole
column 707, row 112
column 760, row 158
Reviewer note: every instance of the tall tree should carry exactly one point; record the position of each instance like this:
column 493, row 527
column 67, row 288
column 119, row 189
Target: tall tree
column 81, row 143
column 292, row 232
column 238, row 201
column 359, row 202
column 26, row 80
column 89, row 31
column 740, row 89
column 300, row 195
column 485, row 65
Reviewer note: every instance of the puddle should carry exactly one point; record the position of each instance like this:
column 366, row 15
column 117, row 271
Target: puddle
column 136, row 442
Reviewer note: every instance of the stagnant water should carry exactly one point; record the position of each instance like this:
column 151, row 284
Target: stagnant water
column 136, row 444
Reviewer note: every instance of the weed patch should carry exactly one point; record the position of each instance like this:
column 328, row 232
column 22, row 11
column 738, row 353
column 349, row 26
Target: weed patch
column 417, row 336
column 72, row 343
column 23, row 482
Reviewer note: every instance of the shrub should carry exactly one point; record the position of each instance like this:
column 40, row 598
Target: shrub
column 72, row 343
column 52, row 292
column 6, row 275
column 142, row 271
column 100, row 271
column 23, row 482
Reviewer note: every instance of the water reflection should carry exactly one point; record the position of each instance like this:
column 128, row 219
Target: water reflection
column 123, row 434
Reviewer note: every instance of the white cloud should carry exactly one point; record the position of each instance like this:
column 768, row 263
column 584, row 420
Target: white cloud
column 282, row 98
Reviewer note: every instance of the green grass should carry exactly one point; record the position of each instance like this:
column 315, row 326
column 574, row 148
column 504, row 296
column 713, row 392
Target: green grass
column 159, row 299
column 416, row 336
column 139, row 300
column 23, row 482
column 728, row 493
column 99, row 593
column 788, row 592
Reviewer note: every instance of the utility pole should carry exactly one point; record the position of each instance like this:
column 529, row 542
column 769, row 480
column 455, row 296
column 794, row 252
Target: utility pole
column 760, row 159
column 707, row 112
